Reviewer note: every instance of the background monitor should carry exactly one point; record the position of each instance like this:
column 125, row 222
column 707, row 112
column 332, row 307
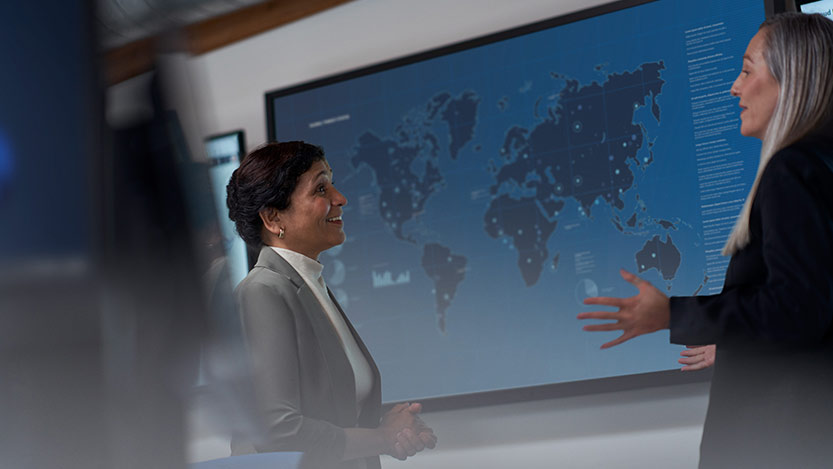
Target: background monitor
column 496, row 183
column 824, row 7
column 224, row 154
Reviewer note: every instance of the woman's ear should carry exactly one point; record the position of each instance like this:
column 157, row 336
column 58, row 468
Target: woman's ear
column 271, row 219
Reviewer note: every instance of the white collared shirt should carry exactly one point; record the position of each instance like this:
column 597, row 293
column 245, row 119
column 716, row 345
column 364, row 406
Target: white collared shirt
column 310, row 271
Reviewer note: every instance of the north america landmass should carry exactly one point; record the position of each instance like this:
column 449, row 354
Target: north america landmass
column 584, row 148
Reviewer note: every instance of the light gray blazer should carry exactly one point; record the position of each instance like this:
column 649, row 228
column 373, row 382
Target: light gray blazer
column 304, row 384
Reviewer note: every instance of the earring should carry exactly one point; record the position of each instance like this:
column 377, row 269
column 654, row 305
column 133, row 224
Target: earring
column 281, row 233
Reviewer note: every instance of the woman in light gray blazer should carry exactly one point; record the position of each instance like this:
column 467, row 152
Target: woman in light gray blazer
column 317, row 388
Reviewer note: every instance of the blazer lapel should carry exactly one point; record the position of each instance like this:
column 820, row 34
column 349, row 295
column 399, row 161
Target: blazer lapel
column 371, row 413
column 338, row 365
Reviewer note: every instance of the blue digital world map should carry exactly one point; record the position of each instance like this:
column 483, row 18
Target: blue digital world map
column 491, row 190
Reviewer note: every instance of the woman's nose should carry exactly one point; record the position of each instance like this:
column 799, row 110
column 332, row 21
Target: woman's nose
column 339, row 199
column 734, row 91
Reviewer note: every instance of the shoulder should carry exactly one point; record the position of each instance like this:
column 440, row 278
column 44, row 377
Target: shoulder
column 807, row 153
column 807, row 161
column 265, row 284
column 799, row 176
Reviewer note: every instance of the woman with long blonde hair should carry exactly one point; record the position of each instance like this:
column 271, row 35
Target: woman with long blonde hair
column 770, row 399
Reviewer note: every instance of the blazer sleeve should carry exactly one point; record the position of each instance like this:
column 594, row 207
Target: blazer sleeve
column 794, row 304
column 269, row 326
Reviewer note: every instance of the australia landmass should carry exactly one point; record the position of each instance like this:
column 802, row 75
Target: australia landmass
column 660, row 255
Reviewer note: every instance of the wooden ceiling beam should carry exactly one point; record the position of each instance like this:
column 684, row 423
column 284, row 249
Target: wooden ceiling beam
column 137, row 57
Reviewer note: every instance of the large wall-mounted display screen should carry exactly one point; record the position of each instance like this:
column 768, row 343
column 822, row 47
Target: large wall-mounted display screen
column 495, row 184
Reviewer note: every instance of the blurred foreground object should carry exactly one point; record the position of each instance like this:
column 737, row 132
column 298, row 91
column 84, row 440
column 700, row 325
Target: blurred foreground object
column 100, row 298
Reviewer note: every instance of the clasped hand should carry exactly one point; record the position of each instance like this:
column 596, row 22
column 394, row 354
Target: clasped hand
column 405, row 433
column 646, row 312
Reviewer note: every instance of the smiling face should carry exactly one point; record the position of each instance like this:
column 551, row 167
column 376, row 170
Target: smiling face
column 313, row 219
column 756, row 88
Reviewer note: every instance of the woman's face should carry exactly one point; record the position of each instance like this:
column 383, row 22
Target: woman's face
column 313, row 220
column 756, row 88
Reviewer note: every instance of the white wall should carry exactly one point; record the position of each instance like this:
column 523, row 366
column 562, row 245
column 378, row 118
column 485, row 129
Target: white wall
column 655, row 427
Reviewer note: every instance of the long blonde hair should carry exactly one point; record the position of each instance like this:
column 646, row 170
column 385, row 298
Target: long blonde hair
column 798, row 49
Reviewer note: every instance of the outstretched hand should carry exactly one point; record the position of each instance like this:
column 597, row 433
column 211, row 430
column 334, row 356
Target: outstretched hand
column 647, row 312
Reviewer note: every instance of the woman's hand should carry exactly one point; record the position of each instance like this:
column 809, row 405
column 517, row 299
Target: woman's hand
column 648, row 311
column 404, row 432
column 697, row 357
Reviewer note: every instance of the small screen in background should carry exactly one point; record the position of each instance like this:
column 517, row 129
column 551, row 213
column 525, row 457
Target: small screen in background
column 224, row 153
column 824, row 7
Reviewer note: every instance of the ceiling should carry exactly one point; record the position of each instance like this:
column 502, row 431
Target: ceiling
column 123, row 21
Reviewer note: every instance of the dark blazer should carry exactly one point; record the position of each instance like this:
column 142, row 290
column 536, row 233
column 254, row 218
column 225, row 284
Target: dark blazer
column 303, row 381
column 771, row 399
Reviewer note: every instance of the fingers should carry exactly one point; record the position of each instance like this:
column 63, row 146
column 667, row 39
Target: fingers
column 428, row 438
column 694, row 367
column 415, row 408
column 690, row 361
column 605, row 301
column 630, row 278
column 622, row 338
column 410, row 441
column 398, row 408
column 611, row 326
column 398, row 452
column 697, row 358
column 604, row 315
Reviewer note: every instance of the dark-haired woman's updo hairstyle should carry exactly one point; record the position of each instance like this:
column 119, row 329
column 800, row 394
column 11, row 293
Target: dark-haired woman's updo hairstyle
column 267, row 177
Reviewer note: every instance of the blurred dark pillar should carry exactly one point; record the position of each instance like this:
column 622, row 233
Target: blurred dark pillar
column 100, row 309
